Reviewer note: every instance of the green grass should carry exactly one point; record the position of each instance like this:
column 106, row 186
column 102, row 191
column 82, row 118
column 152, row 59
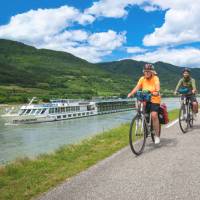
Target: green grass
column 173, row 114
column 26, row 178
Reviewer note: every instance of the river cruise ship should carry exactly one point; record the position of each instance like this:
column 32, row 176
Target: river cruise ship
column 64, row 109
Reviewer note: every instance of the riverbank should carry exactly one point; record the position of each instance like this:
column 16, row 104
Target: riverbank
column 5, row 105
column 26, row 178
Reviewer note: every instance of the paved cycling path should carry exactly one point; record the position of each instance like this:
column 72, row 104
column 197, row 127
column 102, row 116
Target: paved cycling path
column 167, row 172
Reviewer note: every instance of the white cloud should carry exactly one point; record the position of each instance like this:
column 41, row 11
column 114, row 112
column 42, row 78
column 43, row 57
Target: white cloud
column 42, row 23
column 89, row 53
column 50, row 28
column 112, row 8
column 181, row 19
column 91, row 47
column 107, row 40
column 135, row 50
column 150, row 8
column 188, row 56
column 181, row 24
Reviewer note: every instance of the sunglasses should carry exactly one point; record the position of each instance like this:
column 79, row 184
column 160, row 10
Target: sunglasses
column 147, row 71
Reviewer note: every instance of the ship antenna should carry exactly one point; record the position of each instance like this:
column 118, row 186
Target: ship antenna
column 31, row 101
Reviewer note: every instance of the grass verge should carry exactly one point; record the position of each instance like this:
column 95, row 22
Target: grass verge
column 26, row 178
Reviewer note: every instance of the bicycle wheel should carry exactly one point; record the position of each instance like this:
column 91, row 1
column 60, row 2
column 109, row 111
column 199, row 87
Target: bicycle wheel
column 137, row 135
column 183, row 118
column 191, row 118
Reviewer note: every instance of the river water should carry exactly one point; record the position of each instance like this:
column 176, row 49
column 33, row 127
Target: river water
column 17, row 141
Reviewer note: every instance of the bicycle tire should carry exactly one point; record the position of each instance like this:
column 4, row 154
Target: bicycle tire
column 183, row 120
column 137, row 139
column 191, row 118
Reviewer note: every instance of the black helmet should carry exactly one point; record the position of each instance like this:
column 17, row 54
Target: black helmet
column 186, row 70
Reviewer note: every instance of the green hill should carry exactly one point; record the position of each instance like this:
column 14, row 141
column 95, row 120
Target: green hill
column 168, row 74
column 26, row 71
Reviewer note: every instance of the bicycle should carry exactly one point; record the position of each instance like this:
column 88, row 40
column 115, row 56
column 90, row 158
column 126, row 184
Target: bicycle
column 141, row 125
column 186, row 117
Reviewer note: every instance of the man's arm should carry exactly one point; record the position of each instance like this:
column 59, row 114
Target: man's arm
column 178, row 86
column 194, row 88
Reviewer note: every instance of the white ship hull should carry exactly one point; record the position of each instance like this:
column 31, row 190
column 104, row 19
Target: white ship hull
column 59, row 110
column 30, row 119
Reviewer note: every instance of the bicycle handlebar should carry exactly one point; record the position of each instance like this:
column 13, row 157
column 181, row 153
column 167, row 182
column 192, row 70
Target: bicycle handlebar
column 185, row 91
column 143, row 95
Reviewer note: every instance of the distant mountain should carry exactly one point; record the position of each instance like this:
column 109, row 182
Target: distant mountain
column 168, row 74
column 26, row 71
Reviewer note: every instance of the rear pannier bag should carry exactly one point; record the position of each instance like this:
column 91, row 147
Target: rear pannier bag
column 163, row 114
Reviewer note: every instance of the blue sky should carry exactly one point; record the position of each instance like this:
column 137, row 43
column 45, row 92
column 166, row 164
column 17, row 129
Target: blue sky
column 107, row 30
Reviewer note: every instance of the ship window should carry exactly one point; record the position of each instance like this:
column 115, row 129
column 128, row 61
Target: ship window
column 28, row 111
column 59, row 110
column 74, row 115
column 56, row 110
column 89, row 107
column 63, row 109
column 83, row 114
column 73, row 108
column 43, row 111
column 69, row 115
column 79, row 114
column 59, row 117
column 51, row 110
column 22, row 112
column 38, row 111
column 64, row 116
column 87, row 113
column 33, row 111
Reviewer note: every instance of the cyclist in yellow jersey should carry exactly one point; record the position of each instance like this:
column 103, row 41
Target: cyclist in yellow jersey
column 150, row 82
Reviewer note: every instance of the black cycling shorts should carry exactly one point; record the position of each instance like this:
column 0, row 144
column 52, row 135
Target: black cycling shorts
column 152, row 107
